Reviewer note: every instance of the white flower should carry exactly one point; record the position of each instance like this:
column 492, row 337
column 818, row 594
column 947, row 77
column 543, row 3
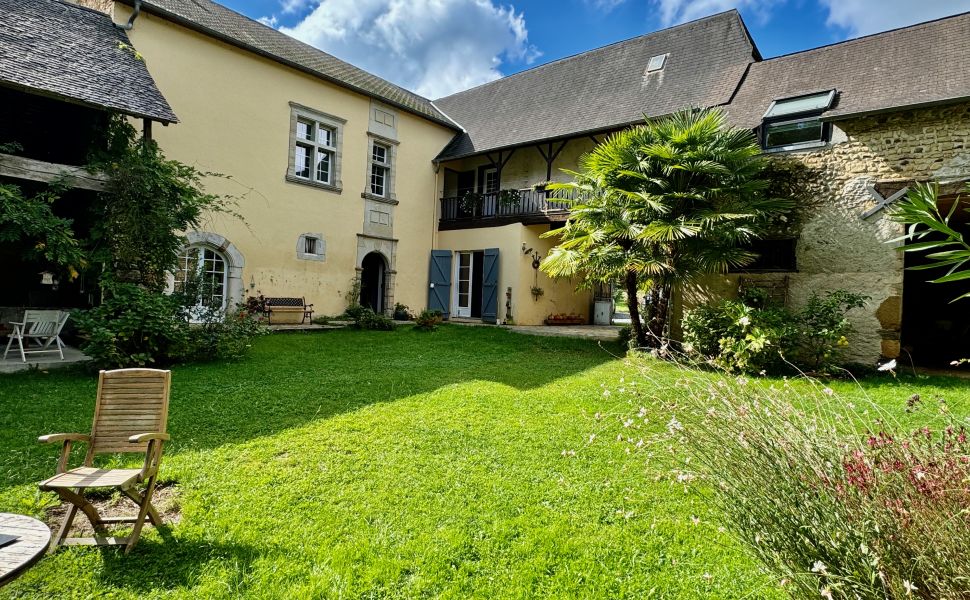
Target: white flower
column 674, row 425
column 826, row 593
column 909, row 587
column 889, row 366
column 828, row 391
column 819, row 567
column 744, row 321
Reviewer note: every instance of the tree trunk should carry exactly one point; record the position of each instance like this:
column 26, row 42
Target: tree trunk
column 661, row 310
column 633, row 303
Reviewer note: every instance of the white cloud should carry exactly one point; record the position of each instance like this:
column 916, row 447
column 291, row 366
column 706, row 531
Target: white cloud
column 862, row 17
column 604, row 5
column 681, row 11
column 269, row 21
column 434, row 47
column 292, row 6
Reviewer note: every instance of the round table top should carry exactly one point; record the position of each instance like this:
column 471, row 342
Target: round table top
column 18, row 556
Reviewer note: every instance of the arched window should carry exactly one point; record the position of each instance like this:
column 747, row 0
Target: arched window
column 202, row 271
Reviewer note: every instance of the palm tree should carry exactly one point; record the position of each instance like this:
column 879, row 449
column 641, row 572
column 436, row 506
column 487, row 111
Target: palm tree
column 662, row 204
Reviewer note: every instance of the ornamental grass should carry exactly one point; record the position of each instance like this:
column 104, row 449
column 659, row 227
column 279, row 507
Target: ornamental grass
column 838, row 500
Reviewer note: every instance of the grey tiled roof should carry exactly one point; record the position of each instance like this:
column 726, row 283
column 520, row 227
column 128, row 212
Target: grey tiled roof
column 923, row 64
column 61, row 50
column 604, row 88
column 218, row 21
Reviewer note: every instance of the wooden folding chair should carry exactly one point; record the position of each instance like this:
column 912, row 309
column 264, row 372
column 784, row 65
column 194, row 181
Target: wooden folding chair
column 45, row 330
column 130, row 416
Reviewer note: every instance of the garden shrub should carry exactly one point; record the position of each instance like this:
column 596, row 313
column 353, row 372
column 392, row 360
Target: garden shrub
column 375, row 321
column 365, row 318
column 428, row 320
column 752, row 335
column 133, row 327
column 223, row 336
column 837, row 501
column 402, row 312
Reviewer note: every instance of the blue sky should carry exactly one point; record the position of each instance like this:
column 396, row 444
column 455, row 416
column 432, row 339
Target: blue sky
column 437, row 47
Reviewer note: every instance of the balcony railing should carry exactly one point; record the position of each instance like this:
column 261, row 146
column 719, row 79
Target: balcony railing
column 506, row 206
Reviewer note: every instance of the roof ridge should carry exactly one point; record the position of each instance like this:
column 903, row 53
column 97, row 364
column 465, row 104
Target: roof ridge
column 866, row 37
column 215, row 20
column 570, row 57
column 310, row 46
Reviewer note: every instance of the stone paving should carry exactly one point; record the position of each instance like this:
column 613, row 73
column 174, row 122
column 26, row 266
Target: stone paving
column 42, row 362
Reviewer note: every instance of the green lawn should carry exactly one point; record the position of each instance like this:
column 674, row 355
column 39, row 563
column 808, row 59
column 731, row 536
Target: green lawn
column 372, row 465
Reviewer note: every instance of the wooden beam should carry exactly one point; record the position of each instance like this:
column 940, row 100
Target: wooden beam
column 19, row 167
column 595, row 141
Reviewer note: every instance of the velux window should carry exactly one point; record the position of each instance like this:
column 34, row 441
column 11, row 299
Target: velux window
column 794, row 123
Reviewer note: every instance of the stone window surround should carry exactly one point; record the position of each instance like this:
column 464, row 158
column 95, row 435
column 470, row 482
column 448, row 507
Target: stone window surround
column 235, row 262
column 337, row 124
column 389, row 196
column 301, row 253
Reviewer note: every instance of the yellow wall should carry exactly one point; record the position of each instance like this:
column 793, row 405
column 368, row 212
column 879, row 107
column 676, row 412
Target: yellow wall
column 515, row 271
column 235, row 120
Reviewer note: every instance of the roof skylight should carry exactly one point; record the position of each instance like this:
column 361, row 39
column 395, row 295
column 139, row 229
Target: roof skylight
column 801, row 104
column 656, row 63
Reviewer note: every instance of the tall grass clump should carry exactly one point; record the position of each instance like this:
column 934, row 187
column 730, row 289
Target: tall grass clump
column 836, row 500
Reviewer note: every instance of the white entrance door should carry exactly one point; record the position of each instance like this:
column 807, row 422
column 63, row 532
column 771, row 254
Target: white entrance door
column 202, row 273
column 463, row 287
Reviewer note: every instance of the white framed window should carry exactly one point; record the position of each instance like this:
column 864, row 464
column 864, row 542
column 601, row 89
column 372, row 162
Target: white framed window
column 796, row 123
column 203, row 272
column 380, row 169
column 490, row 181
column 314, row 148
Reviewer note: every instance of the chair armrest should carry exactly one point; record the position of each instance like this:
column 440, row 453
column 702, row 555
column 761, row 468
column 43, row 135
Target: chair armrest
column 17, row 322
column 144, row 437
column 64, row 437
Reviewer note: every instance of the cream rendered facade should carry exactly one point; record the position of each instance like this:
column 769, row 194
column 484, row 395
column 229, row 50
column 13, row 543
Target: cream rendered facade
column 235, row 110
column 517, row 276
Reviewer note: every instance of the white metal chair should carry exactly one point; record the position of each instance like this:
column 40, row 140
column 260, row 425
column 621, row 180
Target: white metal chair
column 44, row 330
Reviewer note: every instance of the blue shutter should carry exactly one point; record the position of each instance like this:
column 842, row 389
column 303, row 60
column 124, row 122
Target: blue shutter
column 490, row 286
column 439, row 282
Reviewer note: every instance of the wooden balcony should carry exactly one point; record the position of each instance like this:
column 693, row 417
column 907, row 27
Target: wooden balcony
column 528, row 206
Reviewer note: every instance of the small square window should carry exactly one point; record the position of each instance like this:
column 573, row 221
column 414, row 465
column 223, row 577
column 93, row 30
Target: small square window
column 656, row 63
column 311, row 245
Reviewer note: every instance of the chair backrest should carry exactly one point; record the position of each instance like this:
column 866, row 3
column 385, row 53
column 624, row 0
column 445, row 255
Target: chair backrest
column 130, row 401
column 45, row 322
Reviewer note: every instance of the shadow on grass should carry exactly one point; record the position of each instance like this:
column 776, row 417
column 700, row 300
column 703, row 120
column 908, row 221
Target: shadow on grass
column 287, row 381
column 171, row 563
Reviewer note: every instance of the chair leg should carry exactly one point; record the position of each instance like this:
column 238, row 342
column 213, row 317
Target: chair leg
column 9, row 342
column 20, row 342
column 138, row 499
column 146, row 505
column 66, row 523
column 60, row 346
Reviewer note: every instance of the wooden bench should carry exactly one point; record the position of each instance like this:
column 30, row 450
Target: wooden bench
column 277, row 306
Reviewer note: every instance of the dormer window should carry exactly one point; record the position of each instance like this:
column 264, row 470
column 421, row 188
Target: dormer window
column 796, row 123
column 656, row 63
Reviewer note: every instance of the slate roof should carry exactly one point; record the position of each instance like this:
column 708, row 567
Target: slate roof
column 57, row 49
column 215, row 20
column 604, row 88
column 918, row 65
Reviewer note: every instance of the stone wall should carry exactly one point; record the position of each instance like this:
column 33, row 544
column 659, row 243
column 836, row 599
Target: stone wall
column 837, row 247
